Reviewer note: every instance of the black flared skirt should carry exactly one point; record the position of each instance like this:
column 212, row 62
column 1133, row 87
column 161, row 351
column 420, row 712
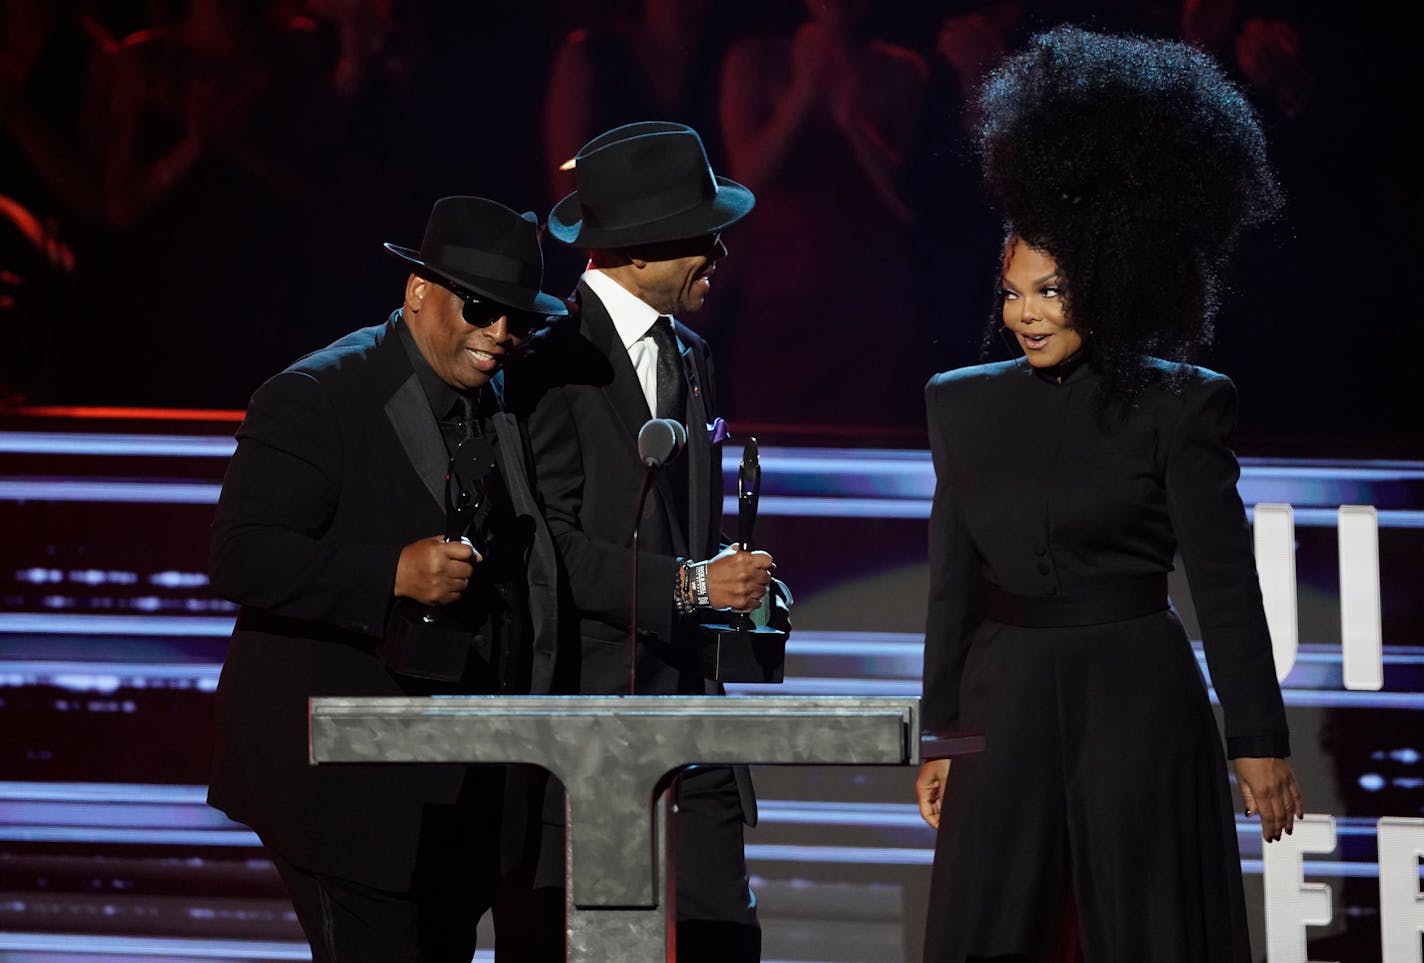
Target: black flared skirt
column 1102, row 800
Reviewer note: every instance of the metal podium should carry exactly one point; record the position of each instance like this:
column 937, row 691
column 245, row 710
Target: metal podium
column 615, row 756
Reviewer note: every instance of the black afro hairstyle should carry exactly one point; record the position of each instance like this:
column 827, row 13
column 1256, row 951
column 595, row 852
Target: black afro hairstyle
column 1135, row 164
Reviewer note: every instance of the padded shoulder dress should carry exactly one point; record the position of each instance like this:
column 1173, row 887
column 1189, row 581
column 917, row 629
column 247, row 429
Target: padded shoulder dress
column 1103, row 786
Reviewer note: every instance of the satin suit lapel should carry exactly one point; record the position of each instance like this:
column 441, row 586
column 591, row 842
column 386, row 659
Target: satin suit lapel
column 699, row 454
column 408, row 411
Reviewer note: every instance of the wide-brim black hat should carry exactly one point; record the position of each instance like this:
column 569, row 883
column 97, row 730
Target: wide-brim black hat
column 488, row 249
column 646, row 183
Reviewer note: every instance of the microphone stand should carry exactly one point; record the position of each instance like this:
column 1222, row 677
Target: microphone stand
column 658, row 441
column 648, row 469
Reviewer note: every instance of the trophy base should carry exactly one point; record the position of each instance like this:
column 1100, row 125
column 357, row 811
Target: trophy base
column 743, row 653
column 424, row 645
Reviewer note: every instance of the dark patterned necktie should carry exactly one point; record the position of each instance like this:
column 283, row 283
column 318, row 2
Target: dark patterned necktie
column 461, row 421
column 672, row 385
column 469, row 416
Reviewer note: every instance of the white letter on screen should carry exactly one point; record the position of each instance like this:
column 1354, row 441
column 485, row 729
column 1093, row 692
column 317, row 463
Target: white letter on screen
column 1401, row 845
column 1360, row 597
column 1275, row 565
column 1291, row 903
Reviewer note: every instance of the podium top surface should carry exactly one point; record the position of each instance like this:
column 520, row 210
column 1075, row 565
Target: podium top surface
column 615, row 705
column 657, row 733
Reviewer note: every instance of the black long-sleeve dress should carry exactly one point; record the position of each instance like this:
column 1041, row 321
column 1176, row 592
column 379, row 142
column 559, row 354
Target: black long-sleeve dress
column 1104, row 780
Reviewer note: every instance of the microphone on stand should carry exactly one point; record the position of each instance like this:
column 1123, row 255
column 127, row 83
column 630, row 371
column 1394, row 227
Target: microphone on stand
column 659, row 440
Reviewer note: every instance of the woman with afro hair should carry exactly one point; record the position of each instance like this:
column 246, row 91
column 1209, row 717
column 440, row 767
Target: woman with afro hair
column 1098, row 825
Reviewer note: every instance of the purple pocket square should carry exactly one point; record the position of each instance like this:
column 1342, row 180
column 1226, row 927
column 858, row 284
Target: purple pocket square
column 718, row 432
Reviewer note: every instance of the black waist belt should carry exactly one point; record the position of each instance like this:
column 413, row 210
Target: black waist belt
column 1092, row 605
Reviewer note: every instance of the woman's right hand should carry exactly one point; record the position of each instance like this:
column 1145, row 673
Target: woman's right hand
column 929, row 789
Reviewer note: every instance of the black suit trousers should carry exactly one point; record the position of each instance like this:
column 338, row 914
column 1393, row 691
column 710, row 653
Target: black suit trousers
column 434, row 921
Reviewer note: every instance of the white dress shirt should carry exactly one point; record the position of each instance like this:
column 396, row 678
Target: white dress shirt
column 633, row 319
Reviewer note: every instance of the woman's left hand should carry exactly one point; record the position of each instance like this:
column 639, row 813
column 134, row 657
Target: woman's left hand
column 1268, row 787
column 929, row 789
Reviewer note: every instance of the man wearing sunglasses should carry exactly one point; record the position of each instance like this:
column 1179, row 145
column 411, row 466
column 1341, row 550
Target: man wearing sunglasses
column 651, row 213
column 378, row 527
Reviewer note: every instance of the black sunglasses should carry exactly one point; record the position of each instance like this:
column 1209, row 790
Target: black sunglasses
column 482, row 313
column 704, row 245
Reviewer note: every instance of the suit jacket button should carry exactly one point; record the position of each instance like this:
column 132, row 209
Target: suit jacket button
column 1043, row 568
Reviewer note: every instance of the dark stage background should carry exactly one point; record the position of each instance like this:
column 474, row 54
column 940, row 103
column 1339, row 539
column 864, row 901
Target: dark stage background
column 195, row 193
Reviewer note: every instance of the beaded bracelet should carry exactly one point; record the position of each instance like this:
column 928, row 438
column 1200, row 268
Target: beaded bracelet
column 682, row 587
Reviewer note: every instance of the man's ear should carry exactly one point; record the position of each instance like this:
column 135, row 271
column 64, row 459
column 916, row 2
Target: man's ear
column 416, row 288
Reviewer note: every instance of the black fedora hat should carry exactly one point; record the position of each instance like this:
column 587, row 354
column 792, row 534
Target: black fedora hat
column 488, row 249
column 645, row 183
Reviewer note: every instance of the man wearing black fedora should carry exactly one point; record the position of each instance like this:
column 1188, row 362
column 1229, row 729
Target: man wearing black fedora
column 378, row 527
column 651, row 213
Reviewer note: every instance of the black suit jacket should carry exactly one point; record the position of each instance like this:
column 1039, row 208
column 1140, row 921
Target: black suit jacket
column 587, row 411
column 339, row 464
